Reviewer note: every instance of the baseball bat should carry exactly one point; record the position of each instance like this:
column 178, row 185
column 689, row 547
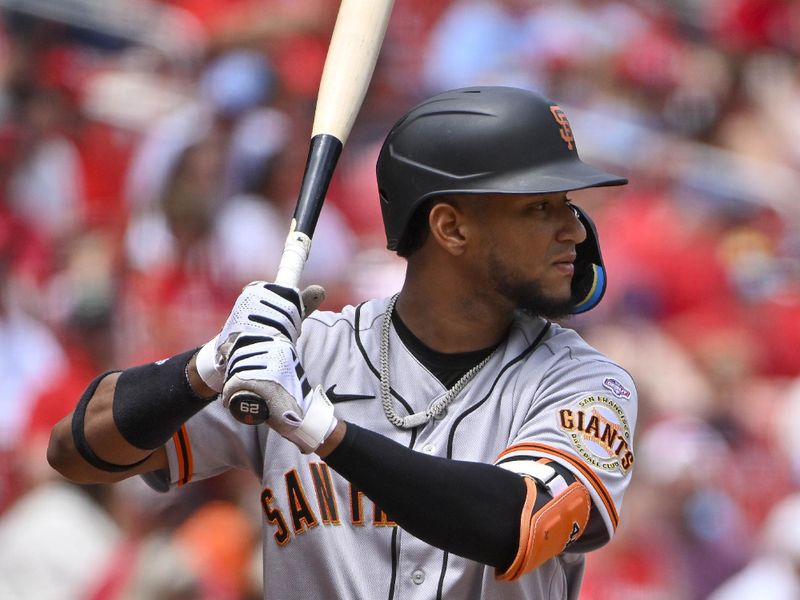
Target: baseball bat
column 349, row 64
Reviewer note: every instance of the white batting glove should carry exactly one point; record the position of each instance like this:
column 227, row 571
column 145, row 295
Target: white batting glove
column 262, row 309
column 267, row 371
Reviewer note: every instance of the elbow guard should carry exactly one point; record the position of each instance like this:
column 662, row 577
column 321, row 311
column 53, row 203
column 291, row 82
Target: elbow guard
column 555, row 513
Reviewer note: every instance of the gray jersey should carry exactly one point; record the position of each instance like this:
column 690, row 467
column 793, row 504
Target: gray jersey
column 543, row 393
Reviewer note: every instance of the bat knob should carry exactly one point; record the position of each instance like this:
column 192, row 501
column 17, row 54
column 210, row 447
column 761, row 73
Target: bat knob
column 248, row 408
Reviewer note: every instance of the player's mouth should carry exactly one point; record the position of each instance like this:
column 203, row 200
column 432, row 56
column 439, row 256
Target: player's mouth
column 565, row 263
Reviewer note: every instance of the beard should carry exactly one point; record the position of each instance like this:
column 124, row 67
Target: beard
column 529, row 296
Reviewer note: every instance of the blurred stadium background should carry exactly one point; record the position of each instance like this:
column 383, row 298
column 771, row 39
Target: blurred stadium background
column 150, row 152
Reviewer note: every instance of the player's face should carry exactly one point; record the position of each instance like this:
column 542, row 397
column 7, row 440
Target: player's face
column 528, row 246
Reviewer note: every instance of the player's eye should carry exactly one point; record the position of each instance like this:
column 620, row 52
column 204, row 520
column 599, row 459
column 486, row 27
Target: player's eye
column 539, row 206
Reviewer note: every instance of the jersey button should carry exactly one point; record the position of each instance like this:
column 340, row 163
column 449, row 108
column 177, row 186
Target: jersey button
column 429, row 449
column 418, row 576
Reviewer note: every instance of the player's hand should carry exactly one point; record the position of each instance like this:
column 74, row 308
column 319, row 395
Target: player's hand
column 265, row 381
column 262, row 309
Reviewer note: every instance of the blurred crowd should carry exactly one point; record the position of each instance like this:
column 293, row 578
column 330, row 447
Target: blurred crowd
column 150, row 156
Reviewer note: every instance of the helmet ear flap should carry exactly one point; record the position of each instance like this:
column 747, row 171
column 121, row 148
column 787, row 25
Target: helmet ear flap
column 589, row 281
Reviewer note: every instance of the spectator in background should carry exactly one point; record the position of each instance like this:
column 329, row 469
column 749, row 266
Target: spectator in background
column 202, row 547
column 189, row 165
column 687, row 464
column 480, row 42
column 774, row 572
column 82, row 295
column 231, row 107
column 53, row 542
column 46, row 186
column 251, row 228
column 27, row 344
column 524, row 43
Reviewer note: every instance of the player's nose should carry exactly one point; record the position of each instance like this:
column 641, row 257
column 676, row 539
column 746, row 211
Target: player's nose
column 571, row 228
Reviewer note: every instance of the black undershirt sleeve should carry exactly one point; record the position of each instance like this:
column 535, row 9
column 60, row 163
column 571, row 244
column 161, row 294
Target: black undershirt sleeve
column 469, row 509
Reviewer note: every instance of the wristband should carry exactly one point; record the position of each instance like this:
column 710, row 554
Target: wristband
column 79, row 434
column 152, row 401
column 317, row 424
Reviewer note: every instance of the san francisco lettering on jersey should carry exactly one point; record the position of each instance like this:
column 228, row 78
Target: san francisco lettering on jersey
column 304, row 515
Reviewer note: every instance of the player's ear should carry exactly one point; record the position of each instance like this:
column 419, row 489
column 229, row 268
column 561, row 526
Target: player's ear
column 449, row 226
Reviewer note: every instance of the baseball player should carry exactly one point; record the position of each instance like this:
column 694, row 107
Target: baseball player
column 448, row 442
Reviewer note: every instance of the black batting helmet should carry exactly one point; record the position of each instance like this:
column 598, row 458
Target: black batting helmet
column 488, row 140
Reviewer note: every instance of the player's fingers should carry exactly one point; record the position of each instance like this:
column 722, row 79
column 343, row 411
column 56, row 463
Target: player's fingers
column 268, row 309
column 312, row 297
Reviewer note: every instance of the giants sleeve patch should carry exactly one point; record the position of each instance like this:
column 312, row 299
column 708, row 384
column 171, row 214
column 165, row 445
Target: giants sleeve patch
column 598, row 429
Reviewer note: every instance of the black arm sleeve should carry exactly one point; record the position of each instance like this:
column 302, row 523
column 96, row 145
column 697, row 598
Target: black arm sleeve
column 470, row 509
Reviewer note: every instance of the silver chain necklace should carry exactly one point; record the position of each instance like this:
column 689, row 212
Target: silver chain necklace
column 436, row 408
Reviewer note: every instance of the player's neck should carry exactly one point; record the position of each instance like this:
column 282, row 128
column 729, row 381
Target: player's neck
column 450, row 319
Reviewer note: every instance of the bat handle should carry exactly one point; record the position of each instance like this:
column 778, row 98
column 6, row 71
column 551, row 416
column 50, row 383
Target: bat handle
column 323, row 153
column 248, row 408
column 293, row 259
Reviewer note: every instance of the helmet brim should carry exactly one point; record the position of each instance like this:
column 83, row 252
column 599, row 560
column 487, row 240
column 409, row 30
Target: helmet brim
column 554, row 177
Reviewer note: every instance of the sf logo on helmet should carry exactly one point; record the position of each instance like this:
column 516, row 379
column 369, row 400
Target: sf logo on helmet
column 564, row 126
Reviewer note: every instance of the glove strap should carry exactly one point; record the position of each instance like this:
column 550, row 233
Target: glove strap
column 318, row 423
